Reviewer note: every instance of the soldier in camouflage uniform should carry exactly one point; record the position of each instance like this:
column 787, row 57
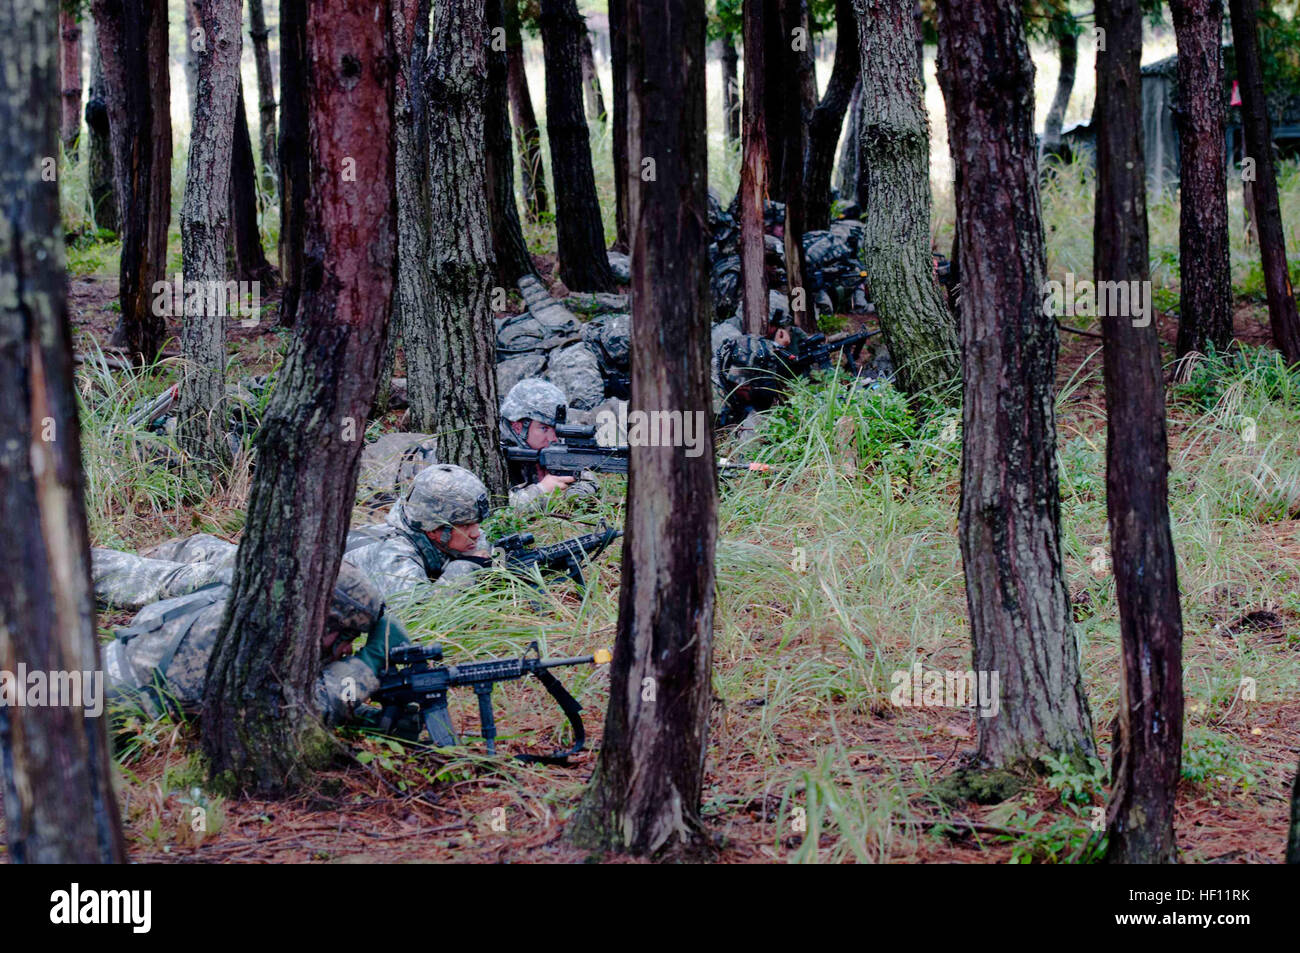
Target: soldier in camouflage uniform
column 528, row 420
column 431, row 534
column 745, row 376
column 160, row 661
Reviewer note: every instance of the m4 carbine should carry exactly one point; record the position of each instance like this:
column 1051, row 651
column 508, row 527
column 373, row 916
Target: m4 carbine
column 816, row 351
column 412, row 679
column 567, row 557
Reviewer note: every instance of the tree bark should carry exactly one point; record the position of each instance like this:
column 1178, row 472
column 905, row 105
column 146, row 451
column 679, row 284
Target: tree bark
column 1067, row 49
column 132, row 37
column 580, row 236
column 1149, row 726
column 55, row 769
column 260, row 36
column 512, row 258
column 595, row 99
column 451, row 358
column 295, row 171
column 99, row 166
column 618, row 79
column 730, row 89
column 1205, row 309
column 191, row 52
column 846, row 178
column 250, row 263
column 70, row 80
column 778, row 59
column 795, row 143
column 261, row 731
column 828, row 118
column 1010, row 518
column 1282, row 315
column 527, row 135
column 204, row 220
column 753, row 171
column 895, row 149
column 650, row 774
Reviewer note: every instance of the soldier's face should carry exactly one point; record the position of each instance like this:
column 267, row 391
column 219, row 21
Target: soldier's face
column 540, row 436
column 464, row 539
column 334, row 648
column 782, row 337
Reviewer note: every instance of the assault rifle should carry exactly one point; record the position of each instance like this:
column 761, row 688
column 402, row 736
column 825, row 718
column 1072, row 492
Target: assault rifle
column 816, row 351
column 412, row 679
column 566, row 557
column 577, row 450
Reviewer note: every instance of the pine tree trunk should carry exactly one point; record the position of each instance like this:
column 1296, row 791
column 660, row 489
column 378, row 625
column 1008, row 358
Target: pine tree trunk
column 292, row 154
column 795, row 143
column 191, row 53
column 204, row 220
column 451, row 368
column 828, row 118
column 99, row 166
column 260, row 36
column 1205, row 309
column 1282, row 315
column 250, row 262
column 753, row 171
column 261, row 731
column 1067, row 48
column 895, row 149
column 647, row 784
column 580, row 236
column 70, row 81
column 527, row 135
column 512, row 258
column 618, row 79
column 591, row 80
column 1149, row 726
column 1010, row 519
column 55, row 761
column 846, row 177
column 778, row 60
column 730, row 89
column 132, row 37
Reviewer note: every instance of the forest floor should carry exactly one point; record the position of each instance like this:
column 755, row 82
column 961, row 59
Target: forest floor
column 808, row 760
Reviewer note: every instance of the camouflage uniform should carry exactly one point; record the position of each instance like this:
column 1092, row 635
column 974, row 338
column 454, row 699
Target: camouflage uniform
column 545, row 341
column 745, row 375
column 128, row 581
column 161, row 659
column 389, row 464
column 397, row 555
column 535, row 399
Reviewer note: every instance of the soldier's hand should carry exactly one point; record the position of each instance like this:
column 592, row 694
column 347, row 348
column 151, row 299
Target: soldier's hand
column 550, row 483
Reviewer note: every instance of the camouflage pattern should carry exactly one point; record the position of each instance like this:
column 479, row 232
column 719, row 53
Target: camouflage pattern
column 199, row 548
column 529, row 400
column 533, row 399
column 443, row 495
column 621, row 266
column 576, row 371
column 127, row 581
column 515, row 369
column 546, row 324
column 391, row 463
column 596, row 302
column 161, row 658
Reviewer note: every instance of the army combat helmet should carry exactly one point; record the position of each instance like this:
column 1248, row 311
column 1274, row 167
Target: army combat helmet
column 355, row 604
column 444, row 495
column 533, row 399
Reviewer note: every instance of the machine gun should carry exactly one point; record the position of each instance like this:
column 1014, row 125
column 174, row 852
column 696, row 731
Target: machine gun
column 412, row 679
column 566, row 557
column 815, row 351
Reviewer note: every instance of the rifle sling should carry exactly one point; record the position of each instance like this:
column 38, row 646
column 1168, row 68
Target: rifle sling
column 572, row 710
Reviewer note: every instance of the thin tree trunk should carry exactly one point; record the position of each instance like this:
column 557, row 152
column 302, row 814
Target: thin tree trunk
column 1067, row 50
column 846, row 178
column 595, row 99
column 1282, row 315
column 753, row 172
column 204, row 220
column 580, row 235
column 132, row 37
column 260, row 725
column 1149, row 726
column 70, row 80
column 458, row 342
column 99, row 167
column 795, row 143
column 618, row 79
column 1205, row 309
column 895, row 149
column 295, row 172
column 730, row 89
column 828, row 118
column 527, row 135
column 648, row 781
column 512, row 258
column 260, row 36
column 250, row 263
column 778, row 59
column 55, row 759
column 1010, row 520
